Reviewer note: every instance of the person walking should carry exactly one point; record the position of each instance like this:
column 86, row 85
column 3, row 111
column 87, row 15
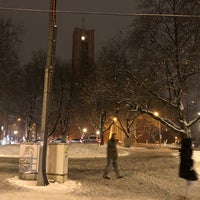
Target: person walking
column 112, row 156
column 186, row 168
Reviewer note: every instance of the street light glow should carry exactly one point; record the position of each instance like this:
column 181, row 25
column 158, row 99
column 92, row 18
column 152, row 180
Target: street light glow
column 156, row 114
column 159, row 127
column 115, row 119
column 98, row 132
column 84, row 130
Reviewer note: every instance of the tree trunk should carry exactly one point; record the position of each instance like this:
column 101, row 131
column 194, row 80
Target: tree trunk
column 102, row 138
column 128, row 142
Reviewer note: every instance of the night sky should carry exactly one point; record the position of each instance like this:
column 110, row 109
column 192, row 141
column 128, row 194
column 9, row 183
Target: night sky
column 36, row 24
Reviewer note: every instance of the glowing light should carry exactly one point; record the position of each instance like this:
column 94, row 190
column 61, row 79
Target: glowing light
column 156, row 113
column 97, row 132
column 83, row 37
column 15, row 132
column 84, row 130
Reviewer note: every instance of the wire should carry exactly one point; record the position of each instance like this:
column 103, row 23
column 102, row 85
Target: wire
column 101, row 13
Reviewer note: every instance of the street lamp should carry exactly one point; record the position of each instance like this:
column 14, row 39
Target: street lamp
column 97, row 132
column 115, row 119
column 159, row 128
column 2, row 131
column 83, row 132
column 26, row 129
column 97, row 135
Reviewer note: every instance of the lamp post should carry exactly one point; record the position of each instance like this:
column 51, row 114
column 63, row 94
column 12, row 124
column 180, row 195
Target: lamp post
column 25, row 134
column 97, row 135
column 159, row 128
column 84, row 131
column 2, row 135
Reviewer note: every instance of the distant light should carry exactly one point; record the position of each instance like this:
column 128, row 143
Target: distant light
column 156, row 114
column 83, row 37
column 84, row 130
column 15, row 132
column 97, row 132
column 115, row 119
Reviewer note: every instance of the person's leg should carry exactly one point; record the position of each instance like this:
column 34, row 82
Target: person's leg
column 188, row 188
column 115, row 166
column 106, row 170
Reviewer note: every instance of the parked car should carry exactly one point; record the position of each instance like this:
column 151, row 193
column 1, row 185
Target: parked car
column 76, row 140
column 91, row 139
column 56, row 140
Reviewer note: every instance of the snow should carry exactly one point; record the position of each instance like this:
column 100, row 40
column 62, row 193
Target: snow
column 149, row 174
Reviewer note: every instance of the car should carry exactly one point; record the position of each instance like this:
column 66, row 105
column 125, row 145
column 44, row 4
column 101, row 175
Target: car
column 76, row 140
column 57, row 140
column 91, row 139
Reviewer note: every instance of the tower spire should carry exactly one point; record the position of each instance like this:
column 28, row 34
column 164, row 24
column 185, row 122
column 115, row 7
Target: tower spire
column 83, row 34
column 83, row 23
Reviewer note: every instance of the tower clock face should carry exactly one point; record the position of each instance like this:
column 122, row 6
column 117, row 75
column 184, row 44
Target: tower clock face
column 83, row 37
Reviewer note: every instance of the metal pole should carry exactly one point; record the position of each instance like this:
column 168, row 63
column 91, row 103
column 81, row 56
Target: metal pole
column 42, row 178
column 160, row 135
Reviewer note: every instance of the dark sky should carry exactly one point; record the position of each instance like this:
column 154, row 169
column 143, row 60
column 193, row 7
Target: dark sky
column 36, row 24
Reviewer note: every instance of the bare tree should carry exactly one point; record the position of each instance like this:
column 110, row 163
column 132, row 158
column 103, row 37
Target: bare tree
column 160, row 58
column 61, row 109
column 9, row 69
column 126, row 116
column 169, row 48
column 100, row 106
column 32, row 92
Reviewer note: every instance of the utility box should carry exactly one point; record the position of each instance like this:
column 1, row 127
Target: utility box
column 57, row 162
column 28, row 161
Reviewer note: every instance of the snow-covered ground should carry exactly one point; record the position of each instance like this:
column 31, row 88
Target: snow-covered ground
column 149, row 174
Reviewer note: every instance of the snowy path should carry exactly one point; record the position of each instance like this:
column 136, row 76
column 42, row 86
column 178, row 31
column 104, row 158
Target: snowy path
column 149, row 174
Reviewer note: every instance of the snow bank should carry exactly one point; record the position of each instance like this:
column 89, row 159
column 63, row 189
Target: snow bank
column 74, row 150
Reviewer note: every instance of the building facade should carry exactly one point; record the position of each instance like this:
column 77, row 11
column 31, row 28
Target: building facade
column 82, row 54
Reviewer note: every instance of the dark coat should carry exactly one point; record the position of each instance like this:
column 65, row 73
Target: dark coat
column 186, row 170
column 112, row 149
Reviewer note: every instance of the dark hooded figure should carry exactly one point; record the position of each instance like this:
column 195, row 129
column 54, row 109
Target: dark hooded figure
column 186, row 170
column 112, row 156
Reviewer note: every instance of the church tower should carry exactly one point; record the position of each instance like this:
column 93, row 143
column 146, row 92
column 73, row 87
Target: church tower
column 83, row 62
column 82, row 55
